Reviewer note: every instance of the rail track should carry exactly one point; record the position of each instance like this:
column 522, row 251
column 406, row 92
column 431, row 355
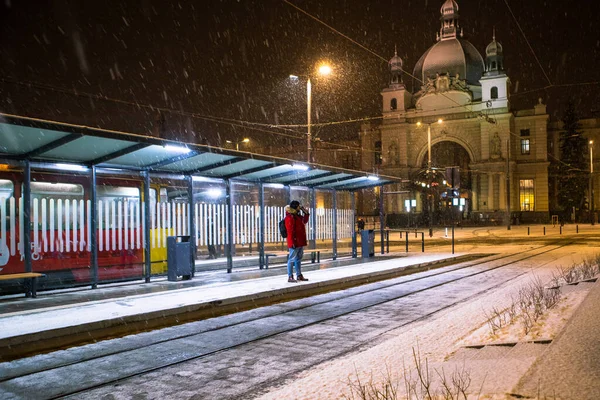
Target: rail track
column 151, row 352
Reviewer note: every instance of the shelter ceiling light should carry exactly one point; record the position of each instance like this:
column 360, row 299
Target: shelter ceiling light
column 373, row 178
column 214, row 193
column 70, row 167
column 176, row 149
column 300, row 167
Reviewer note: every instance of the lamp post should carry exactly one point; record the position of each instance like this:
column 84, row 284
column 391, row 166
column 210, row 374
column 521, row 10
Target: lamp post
column 324, row 70
column 429, row 170
column 237, row 144
column 592, row 181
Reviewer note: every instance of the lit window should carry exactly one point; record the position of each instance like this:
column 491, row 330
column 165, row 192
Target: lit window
column 526, row 194
column 525, row 146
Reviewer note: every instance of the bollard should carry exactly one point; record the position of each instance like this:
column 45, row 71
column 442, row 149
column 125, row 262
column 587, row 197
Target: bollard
column 415, row 233
column 400, row 234
column 576, row 228
column 544, row 231
column 422, row 242
column 430, row 232
column 527, row 231
column 561, row 230
column 407, row 241
column 387, row 239
column 452, row 239
column 446, row 234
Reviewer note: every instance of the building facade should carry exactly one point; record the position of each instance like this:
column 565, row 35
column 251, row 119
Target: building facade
column 454, row 138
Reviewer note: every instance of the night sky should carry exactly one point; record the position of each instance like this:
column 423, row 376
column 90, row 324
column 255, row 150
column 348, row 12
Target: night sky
column 231, row 59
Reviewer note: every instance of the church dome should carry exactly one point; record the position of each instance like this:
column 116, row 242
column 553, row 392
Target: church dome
column 449, row 7
column 451, row 56
column 396, row 62
column 493, row 49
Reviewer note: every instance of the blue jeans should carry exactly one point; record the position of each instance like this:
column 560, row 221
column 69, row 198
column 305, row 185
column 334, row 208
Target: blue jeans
column 295, row 257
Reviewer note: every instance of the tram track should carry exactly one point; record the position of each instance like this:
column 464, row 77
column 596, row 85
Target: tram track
column 496, row 263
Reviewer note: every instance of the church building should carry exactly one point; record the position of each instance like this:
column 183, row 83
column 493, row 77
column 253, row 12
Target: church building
column 454, row 138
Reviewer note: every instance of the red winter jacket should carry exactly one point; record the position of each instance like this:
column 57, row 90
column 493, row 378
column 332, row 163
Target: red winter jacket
column 295, row 226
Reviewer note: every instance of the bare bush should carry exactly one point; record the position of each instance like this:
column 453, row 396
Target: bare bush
column 497, row 319
column 552, row 297
column 419, row 384
column 587, row 269
column 532, row 301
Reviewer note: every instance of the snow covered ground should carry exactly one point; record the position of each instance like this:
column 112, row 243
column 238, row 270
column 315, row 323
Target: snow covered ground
column 440, row 337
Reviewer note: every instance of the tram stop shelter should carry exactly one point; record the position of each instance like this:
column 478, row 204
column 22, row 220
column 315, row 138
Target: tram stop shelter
column 100, row 204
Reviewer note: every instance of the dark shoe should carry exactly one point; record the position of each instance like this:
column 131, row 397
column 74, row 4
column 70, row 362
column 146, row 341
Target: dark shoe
column 292, row 280
column 301, row 278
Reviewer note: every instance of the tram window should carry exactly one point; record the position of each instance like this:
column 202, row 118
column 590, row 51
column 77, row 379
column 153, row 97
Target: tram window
column 117, row 193
column 7, row 188
column 57, row 192
column 71, row 191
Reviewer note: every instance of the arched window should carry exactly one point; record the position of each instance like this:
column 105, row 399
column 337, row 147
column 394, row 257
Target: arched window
column 393, row 104
column 377, row 153
column 494, row 92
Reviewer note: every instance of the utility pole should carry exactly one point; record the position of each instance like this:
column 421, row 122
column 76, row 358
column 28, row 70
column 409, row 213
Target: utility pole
column 508, row 184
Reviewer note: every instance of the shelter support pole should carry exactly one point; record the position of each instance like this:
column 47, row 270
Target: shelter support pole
column 353, row 205
column 26, row 228
column 381, row 219
column 191, row 223
column 335, row 231
column 230, row 246
column 261, row 225
column 147, row 242
column 313, row 219
column 94, row 227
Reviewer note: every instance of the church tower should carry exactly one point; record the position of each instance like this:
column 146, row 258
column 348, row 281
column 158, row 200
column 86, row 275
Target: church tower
column 395, row 96
column 494, row 83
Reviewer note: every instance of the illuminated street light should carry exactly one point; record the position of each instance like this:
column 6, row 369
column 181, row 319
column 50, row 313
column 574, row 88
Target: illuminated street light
column 429, row 170
column 439, row 121
column 324, row 70
column 592, row 182
column 237, row 144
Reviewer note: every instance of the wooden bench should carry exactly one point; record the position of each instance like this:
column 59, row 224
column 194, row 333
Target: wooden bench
column 32, row 289
column 267, row 255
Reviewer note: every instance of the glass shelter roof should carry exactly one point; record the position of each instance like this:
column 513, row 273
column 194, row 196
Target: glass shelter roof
column 42, row 141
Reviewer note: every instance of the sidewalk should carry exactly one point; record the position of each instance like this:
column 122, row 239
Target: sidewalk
column 62, row 318
column 570, row 368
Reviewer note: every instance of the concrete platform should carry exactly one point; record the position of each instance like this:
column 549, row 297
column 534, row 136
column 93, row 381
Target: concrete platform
column 59, row 319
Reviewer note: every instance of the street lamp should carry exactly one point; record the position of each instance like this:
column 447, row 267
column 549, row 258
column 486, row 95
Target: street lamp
column 429, row 170
column 592, row 181
column 324, row 70
column 439, row 121
column 237, row 144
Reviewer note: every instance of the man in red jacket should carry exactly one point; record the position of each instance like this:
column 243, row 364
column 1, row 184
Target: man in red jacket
column 296, row 217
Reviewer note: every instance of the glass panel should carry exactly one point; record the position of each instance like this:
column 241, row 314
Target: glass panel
column 210, row 217
column 22, row 139
column 87, row 148
column 11, row 259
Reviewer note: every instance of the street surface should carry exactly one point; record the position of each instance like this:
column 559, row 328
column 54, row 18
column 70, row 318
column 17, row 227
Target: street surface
column 266, row 351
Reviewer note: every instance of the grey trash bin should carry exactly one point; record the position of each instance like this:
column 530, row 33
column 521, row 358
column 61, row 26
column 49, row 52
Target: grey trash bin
column 367, row 239
column 179, row 259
